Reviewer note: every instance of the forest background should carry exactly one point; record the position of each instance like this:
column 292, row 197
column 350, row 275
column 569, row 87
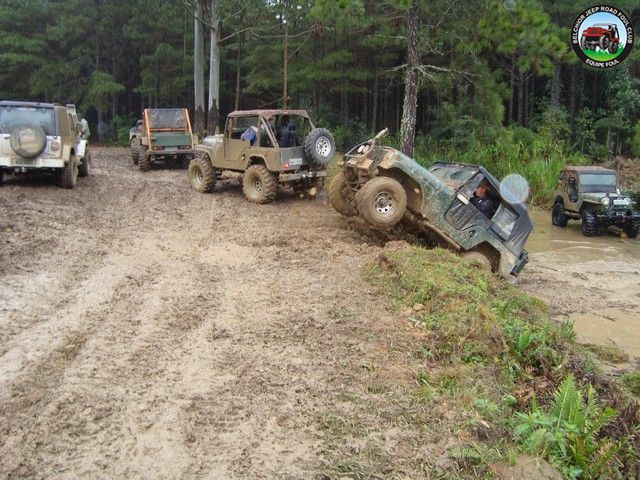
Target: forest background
column 490, row 82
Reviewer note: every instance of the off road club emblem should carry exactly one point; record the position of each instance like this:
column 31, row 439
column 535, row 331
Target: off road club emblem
column 602, row 36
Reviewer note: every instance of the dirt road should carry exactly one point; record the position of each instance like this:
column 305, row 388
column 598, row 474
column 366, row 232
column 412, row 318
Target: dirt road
column 148, row 331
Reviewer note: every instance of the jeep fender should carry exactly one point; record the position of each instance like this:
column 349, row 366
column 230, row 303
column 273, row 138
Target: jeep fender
column 255, row 160
column 80, row 148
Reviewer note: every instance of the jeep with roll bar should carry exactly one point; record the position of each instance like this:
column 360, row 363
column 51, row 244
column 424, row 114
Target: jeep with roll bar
column 161, row 134
column 384, row 187
column 592, row 194
column 603, row 35
column 270, row 148
column 43, row 137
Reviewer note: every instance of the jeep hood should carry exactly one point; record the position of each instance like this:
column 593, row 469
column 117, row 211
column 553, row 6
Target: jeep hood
column 597, row 197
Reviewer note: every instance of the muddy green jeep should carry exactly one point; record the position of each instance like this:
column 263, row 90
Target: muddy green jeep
column 592, row 194
column 163, row 133
column 47, row 137
column 270, row 147
column 439, row 204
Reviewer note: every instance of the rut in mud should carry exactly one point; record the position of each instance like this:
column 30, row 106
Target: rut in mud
column 152, row 331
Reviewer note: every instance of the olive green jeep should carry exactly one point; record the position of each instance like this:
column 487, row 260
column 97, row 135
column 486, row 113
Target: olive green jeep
column 163, row 133
column 48, row 137
column 439, row 204
column 269, row 147
column 592, row 194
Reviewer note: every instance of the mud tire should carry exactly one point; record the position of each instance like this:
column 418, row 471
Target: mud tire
column 84, row 169
column 603, row 43
column 478, row 260
column 382, row 202
column 589, row 223
column 583, row 44
column 337, row 197
column 144, row 160
column 202, row 175
column 319, row 147
column 68, row 175
column 135, row 152
column 259, row 185
column 632, row 230
column 558, row 217
column 613, row 47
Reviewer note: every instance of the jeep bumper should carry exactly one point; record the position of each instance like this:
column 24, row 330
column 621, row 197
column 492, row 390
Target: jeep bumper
column 618, row 217
column 168, row 152
column 522, row 261
column 22, row 164
column 291, row 177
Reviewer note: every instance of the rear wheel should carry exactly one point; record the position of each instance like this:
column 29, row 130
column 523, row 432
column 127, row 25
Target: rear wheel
column 613, row 48
column 68, row 176
column 144, row 160
column 382, row 202
column 338, row 196
column 478, row 260
column 202, row 176
column 135, row 153
column 259, row 184
column 558, row 217
column 84, row 170
column 589, row 223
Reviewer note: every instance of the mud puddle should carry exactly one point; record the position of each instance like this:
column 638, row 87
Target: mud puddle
column 593, row 282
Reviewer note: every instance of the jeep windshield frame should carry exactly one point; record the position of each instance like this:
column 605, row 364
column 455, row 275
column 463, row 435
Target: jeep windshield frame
column 167, row 120
column 12, row 116
column 597, row 182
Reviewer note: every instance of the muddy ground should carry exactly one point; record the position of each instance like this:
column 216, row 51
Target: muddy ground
column 148, row 331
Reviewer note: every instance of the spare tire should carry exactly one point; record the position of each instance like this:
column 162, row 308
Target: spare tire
column 28, row 141
column 319, row 147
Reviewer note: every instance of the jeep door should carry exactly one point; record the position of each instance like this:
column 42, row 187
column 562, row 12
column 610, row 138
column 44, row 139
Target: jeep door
column 234, row 146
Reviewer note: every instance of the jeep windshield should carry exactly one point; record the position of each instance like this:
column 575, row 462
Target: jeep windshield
column 25, row 116
column 167, row 119
column 598, row 182
column 453, row 175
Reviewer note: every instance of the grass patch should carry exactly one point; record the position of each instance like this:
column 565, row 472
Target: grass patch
column 602, row 56
column 631, row 380
column 608, row 353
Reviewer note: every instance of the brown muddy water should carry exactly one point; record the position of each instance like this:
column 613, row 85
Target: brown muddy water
column 591, row 281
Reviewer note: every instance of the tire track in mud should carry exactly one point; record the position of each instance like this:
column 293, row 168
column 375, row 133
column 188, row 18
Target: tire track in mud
column 168, row 334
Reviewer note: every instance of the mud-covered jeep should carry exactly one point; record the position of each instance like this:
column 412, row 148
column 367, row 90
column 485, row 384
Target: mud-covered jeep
column 43, row 137
column 384, row 186
column 592, row 194
column 270, row 147
column 163, row 133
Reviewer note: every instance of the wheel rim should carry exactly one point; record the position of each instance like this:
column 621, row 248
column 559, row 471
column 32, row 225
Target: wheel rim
column 383, row 203
column 323, row 146
column 257, row 185
column 198, row 176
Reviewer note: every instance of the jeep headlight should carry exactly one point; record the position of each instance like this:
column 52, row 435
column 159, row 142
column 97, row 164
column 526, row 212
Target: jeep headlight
column 605, row 201
column 627, row 202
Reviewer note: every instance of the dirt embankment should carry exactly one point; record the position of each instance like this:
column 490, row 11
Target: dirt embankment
column 148, row 331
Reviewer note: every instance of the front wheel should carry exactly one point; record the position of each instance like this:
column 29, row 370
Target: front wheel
column 558, row 217
column 382, row 202
column 478, row 260
column 632, row 230
column 259, row 184
column 603, row 43
column 202, row 176
column 589, row 223
column 135, row 153
column 338, row 196
column 613, row 48
column 84, row 170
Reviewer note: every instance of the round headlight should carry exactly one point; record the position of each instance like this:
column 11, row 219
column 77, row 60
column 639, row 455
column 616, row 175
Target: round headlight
column 627, row 202
column 605, row 200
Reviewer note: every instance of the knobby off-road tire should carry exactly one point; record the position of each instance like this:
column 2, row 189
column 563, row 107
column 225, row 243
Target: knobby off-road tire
column 68, row 176
column 144, row 160
column 583, row 43
column 478, row 260
column 382, row 202
column 135, row 153
column 337, row 198
column 84, row 169
column 632, row 230
column 613, row 47
column 558, row 217
column 319, row 147
column 202, row 175
column 589, row 223
column 603, row 43
column 259, row 185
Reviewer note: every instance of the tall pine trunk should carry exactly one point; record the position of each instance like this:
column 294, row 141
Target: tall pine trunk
column 556, row 84
column 214, row 71
column 198, row 69
column 285, row 67
column 410, row 104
